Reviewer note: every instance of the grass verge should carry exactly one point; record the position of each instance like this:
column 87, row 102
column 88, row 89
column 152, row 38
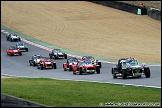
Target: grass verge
column 60, row 93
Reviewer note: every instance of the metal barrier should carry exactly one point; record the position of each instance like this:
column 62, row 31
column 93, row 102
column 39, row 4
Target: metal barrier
column 11, row 101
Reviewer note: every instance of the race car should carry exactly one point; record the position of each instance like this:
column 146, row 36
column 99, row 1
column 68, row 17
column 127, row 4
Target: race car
column 57, row 53
column 129, row 67
column 21, row 46
column 13, row 51
column 93, row 60
column 86, row 66
column 69, row 64
column 35, row 60
column 13, row 37
column 46, row 63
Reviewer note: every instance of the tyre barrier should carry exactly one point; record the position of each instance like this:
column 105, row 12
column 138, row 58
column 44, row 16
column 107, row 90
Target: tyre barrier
column 154, row 13
column 123, row 6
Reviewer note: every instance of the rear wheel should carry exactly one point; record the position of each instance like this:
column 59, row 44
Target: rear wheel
column 99, row 63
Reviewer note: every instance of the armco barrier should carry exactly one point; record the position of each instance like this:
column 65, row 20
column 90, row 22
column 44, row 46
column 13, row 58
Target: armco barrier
column 123, row 6
column 11, row 101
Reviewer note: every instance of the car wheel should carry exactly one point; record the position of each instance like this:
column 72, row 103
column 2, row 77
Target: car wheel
column 114, row 75
column 124, row 76
column 54, row 66
column 70, row 68
column 80, row 71
column 98, row 70
column 20, row 54
column 41, row 66
column 26, row 49
column 65, row 56
column 99, row 63
column 147, row 72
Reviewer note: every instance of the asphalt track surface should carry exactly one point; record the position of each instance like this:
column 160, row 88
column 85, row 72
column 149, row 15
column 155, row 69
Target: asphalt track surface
column 19, row 66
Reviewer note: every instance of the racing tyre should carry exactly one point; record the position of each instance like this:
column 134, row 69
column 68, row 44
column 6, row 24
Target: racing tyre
column 65, row 56
column 80, row 71
column 50, row 56
column 10, row 54
column 26, row 49
column 124, row 76
column 19, row 39
column 98, row 70
column 54, row 66
column 37, row 67
column 20, row 54
column 54, row 57
column 41, row 66
column 112, row 71
column 147, row 72
column 34, row 63
column 99, row 63
column 70, row 68
column 10, row 40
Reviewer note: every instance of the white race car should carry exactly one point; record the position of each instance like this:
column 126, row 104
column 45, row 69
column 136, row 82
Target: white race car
column 13, row 37
column 21, row 46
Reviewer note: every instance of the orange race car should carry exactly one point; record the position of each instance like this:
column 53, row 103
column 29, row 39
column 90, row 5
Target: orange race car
column 69, row 64
column 86, row 66
column 13, row 51
column 46, row 63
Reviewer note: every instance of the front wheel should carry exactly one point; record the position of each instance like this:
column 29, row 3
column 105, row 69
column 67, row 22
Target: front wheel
column 80, row 71
column 147, row 72
column 26, row 49
column 54, row 66
column 98, row 70
column 20, row 54
column 65, row 56
column 41, row 66
column 124, row 76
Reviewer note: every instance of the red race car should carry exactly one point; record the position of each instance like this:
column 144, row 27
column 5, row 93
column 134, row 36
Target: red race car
column 13, row 51
column 46, row 63
column 86, row 66
column 69, row 64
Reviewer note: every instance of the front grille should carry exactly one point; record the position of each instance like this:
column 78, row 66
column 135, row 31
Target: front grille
column 90, row 68
column 137, row 70
column 61, row 55
column 49, row 65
